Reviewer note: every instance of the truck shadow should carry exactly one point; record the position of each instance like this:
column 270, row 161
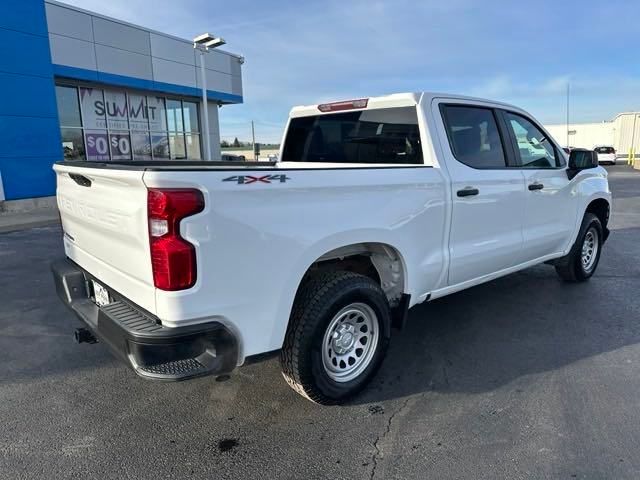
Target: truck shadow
column 492, row 335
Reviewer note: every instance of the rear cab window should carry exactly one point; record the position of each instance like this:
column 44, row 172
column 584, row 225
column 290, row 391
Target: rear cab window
column 377, row 136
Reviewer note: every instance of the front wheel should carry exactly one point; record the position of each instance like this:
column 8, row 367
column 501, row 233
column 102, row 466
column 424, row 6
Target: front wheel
column 338, row 334
column 581, row 262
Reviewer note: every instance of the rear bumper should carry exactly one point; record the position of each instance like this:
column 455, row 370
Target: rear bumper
column 139, row 339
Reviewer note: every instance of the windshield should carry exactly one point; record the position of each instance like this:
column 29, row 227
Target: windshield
column 389, row 135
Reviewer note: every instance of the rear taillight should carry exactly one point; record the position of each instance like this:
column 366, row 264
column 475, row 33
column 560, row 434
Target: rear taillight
column 173, row 259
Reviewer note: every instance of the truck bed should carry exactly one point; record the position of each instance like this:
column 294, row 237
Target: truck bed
column 169, row 165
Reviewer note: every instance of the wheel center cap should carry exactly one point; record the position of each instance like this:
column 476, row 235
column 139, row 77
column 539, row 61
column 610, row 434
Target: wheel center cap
column 346, row 340
column 343, row 339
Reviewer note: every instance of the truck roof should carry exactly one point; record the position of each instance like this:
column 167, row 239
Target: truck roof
column 407, row 99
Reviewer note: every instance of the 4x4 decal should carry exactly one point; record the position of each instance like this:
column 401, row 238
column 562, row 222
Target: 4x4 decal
column 247, row 179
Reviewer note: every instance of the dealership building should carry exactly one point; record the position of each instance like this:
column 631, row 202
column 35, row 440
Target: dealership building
column 77, row 85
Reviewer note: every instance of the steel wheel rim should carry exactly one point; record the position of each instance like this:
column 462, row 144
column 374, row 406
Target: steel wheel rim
column 350, row 342
column 590, row 246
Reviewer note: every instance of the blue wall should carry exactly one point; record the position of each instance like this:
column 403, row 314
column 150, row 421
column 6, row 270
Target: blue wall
column 29, row 132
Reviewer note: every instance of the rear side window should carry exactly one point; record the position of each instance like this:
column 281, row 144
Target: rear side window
column 389, row 135
column 474, row 136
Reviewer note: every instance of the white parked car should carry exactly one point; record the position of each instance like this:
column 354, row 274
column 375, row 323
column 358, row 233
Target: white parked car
column 606, row 154
column 376, row 205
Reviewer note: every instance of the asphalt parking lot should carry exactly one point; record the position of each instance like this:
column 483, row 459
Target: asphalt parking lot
column 524, row 377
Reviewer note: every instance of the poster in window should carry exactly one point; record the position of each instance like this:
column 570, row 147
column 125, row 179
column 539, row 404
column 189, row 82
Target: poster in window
column 138, row 113
column 93, row 111
column 141, row 146
column 120, row 146
column 97, row 146
column 157, row 114
column 115, row 104
column 160, row 146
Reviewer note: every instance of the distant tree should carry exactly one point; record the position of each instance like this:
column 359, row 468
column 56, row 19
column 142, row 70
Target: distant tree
column 224, row 144
column 236, row 143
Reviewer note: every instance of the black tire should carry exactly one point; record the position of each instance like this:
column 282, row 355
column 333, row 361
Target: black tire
column 320, row 298
column 571, row 268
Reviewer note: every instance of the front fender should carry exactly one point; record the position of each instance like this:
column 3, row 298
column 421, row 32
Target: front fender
column 589, row 185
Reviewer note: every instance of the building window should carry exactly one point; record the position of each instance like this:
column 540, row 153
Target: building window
column 191, row 129
column 176, row 146
column 117, row 125
column 174, row 115
column 72, row 144
column 70, row 123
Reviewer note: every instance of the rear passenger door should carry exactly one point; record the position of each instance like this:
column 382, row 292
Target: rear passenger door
column 488, row 197
column 550, row 206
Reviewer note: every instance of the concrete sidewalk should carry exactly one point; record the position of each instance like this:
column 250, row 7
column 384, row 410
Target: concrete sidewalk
column 13, row 221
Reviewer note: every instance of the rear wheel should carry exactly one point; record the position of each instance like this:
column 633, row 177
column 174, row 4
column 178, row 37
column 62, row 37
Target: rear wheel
column 338, row 335
column 581, row 262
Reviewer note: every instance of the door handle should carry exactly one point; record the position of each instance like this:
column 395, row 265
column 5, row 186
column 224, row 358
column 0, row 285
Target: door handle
column 80, row 180
column 468, row 192
column 536, row 186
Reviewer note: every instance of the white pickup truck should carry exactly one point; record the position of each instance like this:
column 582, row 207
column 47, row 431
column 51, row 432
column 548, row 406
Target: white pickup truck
column 191, row 268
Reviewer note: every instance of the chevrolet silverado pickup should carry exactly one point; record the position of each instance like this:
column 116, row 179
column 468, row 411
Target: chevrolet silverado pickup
column 186, row 269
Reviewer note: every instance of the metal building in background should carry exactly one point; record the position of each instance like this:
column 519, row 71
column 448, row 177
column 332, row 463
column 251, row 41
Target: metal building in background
column 627, row 133
column 623, row 133
column 81, row 86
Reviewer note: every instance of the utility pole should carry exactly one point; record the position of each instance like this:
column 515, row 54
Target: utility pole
column 253, row 141
column 568, row 113
column 632, row 151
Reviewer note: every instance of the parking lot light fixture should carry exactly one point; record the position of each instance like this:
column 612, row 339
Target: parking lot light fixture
column 202, row 43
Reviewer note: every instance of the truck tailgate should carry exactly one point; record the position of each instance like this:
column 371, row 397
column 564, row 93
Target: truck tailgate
column 104, row 218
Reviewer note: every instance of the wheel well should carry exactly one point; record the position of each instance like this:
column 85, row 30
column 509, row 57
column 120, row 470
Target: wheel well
column 378, row 261
column 600, row 208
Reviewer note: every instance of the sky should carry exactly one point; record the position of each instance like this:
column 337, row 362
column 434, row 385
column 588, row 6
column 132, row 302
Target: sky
column 306, row 52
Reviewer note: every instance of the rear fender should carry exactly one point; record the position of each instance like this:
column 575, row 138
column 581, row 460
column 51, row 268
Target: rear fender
column 312, row 255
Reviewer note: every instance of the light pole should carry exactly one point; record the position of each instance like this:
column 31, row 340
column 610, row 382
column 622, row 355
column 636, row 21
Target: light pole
column 202, row 43
column 568, row 89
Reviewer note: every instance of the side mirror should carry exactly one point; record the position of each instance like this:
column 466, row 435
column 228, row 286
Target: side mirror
column 580, row 159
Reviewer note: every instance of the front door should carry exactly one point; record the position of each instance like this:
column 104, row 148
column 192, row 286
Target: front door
column 488, row 197
column 550, row 206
